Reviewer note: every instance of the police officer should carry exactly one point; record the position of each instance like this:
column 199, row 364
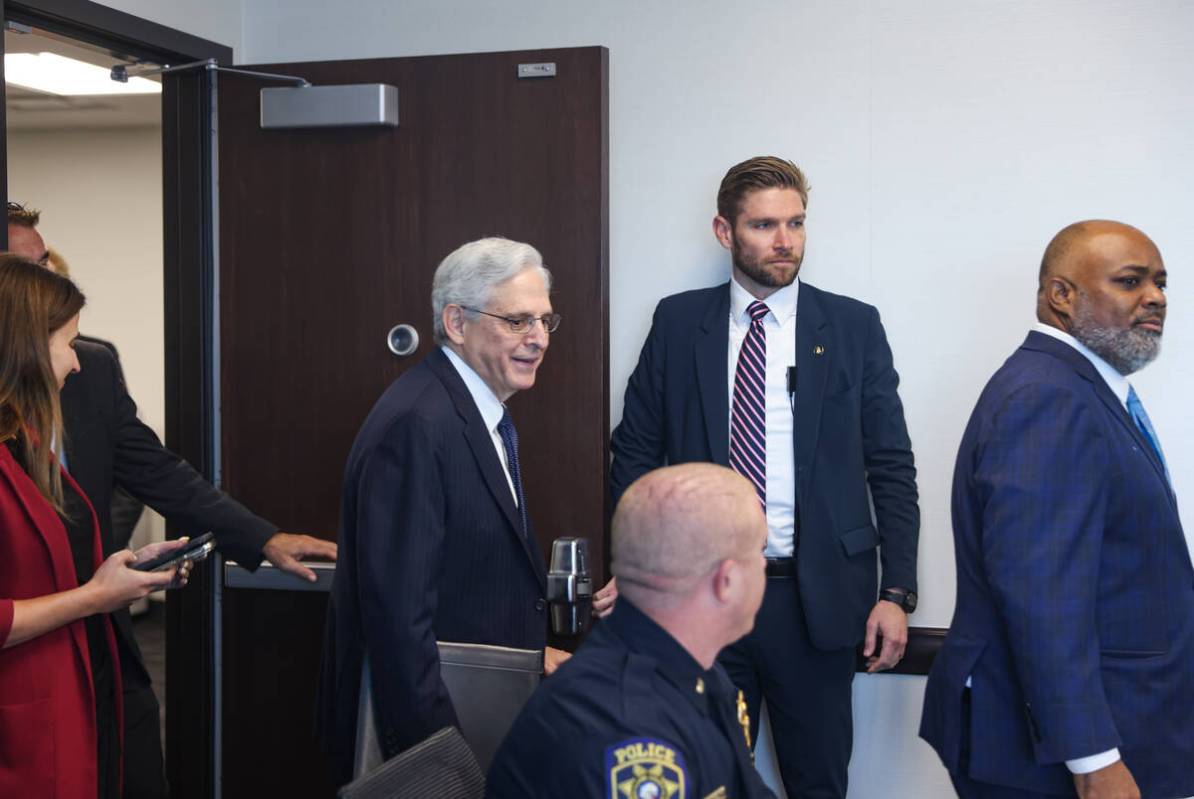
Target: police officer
column 643, row 711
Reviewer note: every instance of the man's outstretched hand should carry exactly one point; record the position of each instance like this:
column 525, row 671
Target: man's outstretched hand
column 287, row 550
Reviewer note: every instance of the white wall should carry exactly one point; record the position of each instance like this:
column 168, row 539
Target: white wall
column 945, row 141
column 100, row 194
column 219, row 21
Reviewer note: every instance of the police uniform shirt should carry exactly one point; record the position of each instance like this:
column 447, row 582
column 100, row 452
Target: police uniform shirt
column 631, row 716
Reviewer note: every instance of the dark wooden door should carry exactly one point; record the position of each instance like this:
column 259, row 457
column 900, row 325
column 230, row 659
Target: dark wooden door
column 330, row 237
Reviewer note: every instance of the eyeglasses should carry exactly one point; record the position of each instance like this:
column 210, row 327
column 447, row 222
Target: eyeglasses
column 521, row 325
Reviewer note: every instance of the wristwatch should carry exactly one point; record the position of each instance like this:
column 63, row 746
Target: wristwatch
column 902, row 597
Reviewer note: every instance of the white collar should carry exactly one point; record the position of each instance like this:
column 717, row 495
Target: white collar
column 1115, row 381
column 782, row 303
column 490, row 407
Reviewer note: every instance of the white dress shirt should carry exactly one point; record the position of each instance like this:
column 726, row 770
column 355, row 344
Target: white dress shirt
column 490, row 407
column 780, row 325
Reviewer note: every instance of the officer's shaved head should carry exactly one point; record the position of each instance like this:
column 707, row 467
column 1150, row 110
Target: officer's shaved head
column 674, row 525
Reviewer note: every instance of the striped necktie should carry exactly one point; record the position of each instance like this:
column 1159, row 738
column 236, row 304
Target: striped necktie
column 1136, row 411
column 509, row 436
column 748, row 425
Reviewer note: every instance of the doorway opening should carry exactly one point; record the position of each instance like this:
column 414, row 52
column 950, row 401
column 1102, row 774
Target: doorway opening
column 91, row 164
column 176, row 209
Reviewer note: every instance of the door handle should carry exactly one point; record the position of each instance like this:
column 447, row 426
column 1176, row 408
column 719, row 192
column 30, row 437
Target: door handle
column 402, row 340
column 270, row 578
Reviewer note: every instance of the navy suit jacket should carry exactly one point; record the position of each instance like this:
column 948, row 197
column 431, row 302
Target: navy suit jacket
column 431, row 550
column 1075, row 606
column 849, row 433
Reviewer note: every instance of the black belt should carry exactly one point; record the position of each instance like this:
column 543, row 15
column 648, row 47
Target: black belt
column 781, row 567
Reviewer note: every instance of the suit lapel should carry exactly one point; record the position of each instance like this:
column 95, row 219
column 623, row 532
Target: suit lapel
column 481, row 443
column 1086, row 370
column 711, row 352
column 814, row 353
column 49, row 528
column 44, row 520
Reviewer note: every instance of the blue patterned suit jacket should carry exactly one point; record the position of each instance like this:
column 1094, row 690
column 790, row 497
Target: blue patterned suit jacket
column 1075, row 604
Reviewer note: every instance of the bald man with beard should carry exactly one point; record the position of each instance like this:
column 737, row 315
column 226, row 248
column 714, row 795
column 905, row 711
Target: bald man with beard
column 643, row 709
column 1069, row 665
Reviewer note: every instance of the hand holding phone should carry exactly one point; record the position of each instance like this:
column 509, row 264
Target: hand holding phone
column 116, row 584
column 193, row 550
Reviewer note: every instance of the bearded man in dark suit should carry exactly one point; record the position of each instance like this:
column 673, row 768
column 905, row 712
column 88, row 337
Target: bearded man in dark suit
column 794, row 388
column 1068, row 665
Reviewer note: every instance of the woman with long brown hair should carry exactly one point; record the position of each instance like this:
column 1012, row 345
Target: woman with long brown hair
column 60, row 707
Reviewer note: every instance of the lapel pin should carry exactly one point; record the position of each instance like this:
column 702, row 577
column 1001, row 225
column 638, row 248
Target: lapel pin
column 818, row 349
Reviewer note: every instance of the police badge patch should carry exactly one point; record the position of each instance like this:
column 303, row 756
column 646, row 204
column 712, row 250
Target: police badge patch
column 644, row 768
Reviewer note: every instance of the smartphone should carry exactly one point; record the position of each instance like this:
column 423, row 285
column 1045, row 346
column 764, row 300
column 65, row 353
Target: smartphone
column 194, row 550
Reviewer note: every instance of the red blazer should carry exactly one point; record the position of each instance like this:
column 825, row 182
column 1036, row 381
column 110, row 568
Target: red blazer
column 47, row 698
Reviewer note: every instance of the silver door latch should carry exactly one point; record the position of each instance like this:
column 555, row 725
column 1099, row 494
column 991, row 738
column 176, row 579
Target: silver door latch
column 545, row 70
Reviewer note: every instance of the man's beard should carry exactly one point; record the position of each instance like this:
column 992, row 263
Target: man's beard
column 1128, row 350
column 756, row 271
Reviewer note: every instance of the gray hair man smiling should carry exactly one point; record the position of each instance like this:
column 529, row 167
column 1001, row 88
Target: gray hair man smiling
column 434, row 518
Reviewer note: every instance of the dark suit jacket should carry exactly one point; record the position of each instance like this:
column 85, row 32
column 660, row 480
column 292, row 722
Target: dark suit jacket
column 1075, row 606
column 126, row 510
column 430, row 549
column 849, row 433
column 107, row 445
column 47, row 698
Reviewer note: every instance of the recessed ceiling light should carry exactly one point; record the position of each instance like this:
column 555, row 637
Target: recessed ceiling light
column 55, row 74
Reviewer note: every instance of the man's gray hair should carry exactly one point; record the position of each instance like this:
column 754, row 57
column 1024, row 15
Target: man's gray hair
column 470, row 273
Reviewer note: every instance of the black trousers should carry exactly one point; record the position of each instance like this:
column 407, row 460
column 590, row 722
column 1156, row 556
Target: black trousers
column 808, row 693
column 144, row 770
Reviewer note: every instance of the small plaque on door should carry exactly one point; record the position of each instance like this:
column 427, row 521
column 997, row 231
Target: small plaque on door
column 544, row 70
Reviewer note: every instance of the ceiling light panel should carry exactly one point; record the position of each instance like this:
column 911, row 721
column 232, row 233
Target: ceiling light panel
column 55, row 74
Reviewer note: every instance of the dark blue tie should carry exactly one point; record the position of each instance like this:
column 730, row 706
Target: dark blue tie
column 510, row 442
column 1136, row 411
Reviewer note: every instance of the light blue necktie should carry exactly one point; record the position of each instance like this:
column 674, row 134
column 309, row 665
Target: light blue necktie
column 1136, row 411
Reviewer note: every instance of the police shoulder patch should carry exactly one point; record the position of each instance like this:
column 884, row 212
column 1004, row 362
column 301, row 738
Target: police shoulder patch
column 644, row 768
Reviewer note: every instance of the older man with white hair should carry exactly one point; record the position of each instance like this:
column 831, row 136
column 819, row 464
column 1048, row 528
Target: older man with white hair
column 643, row 709
column 434, row 528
